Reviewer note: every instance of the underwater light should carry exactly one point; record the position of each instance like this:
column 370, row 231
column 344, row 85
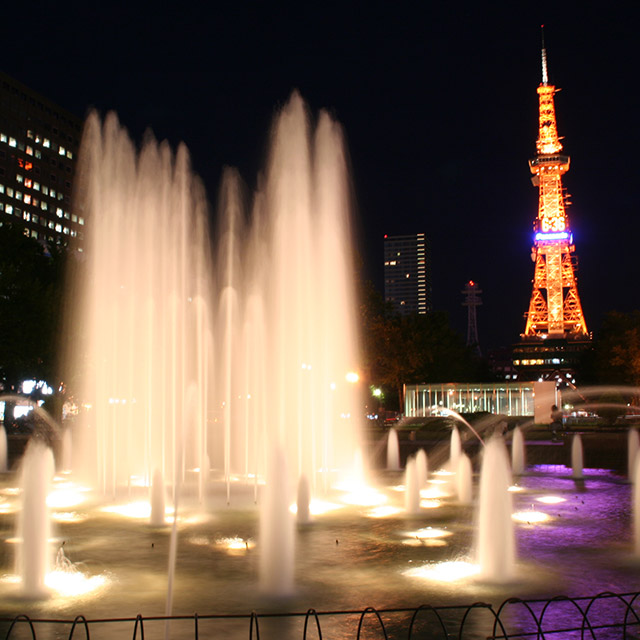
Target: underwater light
column 530, row 517
column 430, row 504
column 384, row 511
column 235, row 543
column 136, row 510
column 450, row 571
column 318, row 507
column 428, row 532
column 73, row 583
column 365, row 497
column 551, row 499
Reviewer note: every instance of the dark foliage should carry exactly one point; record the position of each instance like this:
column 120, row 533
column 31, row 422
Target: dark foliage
column 30, row 303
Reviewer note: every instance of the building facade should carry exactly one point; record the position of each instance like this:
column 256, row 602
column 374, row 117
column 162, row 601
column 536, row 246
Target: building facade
column 407, row 273
column 39, row 144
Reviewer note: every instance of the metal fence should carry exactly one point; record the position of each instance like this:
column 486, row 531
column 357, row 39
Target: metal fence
column 606, row 616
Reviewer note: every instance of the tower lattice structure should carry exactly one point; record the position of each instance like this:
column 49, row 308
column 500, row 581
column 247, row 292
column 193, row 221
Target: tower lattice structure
column 554, row 310
column 472, row 300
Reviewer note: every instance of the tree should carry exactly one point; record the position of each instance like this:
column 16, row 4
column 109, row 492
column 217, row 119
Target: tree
column 615, row 358
column 400, row 349
column 30, row 303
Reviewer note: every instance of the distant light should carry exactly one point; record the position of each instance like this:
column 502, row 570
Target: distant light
column 352, row 377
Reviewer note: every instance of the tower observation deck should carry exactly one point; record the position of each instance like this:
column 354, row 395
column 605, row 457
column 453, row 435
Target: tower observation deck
column 555, row 315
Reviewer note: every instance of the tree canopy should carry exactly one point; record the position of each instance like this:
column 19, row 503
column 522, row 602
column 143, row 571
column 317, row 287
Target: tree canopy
column 615, row 358
column 30, row 303
column 399, row 349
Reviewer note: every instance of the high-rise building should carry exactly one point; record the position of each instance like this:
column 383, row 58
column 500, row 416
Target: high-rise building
column 407, row 273
column 556, row 332
column 39, row 144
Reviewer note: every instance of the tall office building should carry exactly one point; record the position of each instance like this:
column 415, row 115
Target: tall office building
column 39, row 144
column 407, row 273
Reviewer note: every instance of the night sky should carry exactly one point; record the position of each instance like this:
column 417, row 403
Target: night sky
column 438, row 101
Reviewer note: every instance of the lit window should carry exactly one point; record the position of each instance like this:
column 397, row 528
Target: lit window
column 69, row 155
column 34, row 234
column 62, row 151
column 19, row 178
column 66, row 215
column 58, row 228
column 45, row 190
column 10, row 192
column 3, row 137
column 1, row 206
column 52, row 193
column 80, row 220
column 29, row 134
column 36, row 186
column 73, row 233
column 38, row 154
column 26, row 232
column 8, row 209
column 74, row 217
column 44, row 206
column 26, row 216
column 60, row 196
column 34, row 218
column 28, row 150
column 35, row 202
column 1, row 188
column 38, row 139
column 12, row 142
column 27, row 198
column 65, row 230
column 59, row 212
column 51, row 225
column 46, row 143
column 18, row 195
column 28, row 183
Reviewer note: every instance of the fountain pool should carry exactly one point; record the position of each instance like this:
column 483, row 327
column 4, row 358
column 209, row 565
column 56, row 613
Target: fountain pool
column 347, row 557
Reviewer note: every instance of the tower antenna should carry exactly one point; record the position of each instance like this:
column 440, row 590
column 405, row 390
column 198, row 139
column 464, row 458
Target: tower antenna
column 545, row 75
column 472, row 300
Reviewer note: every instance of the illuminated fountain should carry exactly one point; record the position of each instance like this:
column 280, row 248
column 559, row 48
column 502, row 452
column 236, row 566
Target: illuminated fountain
column 464, row 480
column 517, row 452
column 633, row 445
column 34, row 530
column 393, row 451
column 3, row 449
column 196, row 370
column 495, row 533
column 411, row 487
column 577, row 463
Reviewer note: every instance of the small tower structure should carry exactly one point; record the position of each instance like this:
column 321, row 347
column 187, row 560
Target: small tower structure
column 472, row 300
column 555, row 314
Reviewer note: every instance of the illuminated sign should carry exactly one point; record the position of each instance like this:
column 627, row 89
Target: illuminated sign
column 552, row 236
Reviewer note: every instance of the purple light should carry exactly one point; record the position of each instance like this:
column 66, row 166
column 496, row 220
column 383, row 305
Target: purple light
column 552, row 236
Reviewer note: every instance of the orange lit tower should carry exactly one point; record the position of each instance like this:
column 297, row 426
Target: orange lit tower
column 555, row 310
column 556, row 331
